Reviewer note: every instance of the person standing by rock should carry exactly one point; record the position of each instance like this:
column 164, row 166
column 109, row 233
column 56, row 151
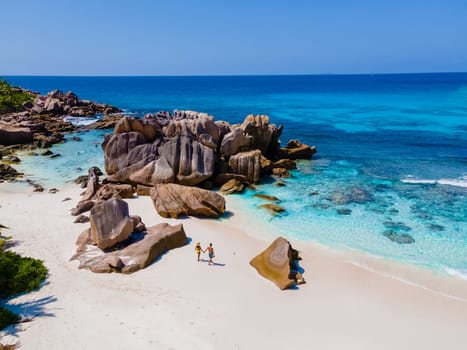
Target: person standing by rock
column 210, row 250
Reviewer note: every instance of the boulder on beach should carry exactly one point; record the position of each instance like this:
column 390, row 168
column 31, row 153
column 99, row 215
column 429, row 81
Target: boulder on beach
column 14, row 135
column 278, row 263
column 158, row 239
column 110, row 223
column 139, row 252
column 172, row 200
column 232, row 186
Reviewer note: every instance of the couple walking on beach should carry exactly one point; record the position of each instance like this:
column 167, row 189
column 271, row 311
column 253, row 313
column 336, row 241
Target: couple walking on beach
column 209, row 249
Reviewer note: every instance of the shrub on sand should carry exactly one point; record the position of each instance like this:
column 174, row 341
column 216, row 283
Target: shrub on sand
column 6, row 318
column 18, row 274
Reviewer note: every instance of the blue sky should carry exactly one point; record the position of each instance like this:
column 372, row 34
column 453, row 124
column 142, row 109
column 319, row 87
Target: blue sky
column 144, row 37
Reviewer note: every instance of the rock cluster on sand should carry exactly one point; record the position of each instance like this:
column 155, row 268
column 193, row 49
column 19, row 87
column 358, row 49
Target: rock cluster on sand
column 189, row 148
column 96, row 192
column 278, row 263
column 172, row 200
column 8, row 173
column 110, row 223
column 166, row 155
column 136, row 250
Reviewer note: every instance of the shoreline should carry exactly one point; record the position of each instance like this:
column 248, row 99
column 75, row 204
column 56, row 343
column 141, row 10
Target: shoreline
column 434, row 281
column 178, row 303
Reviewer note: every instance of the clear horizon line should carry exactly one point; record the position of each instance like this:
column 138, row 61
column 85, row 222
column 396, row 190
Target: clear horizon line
column 221, row 75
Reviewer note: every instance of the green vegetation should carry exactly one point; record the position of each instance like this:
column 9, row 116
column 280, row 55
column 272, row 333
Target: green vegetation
column 7, row 317
column 17, row 275
column 12, row 98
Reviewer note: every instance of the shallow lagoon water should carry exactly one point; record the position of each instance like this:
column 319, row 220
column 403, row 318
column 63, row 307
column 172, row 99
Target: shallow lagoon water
column 392, row 153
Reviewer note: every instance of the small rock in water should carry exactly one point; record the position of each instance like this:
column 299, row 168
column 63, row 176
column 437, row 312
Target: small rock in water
column 436, row 227
column 400, row 238
column 360, row 195
column 53, row 190
column 46, row 153
column 55, row 155
column 13, row 159
column 273, row 209
column 344, row 211
column 38, row 188
column 377, row 210
column 66, row 199
column 76, row 138
column 280, row 184
column 397, row 226
column 281, row 172
column 265, row 197
column 339, row 198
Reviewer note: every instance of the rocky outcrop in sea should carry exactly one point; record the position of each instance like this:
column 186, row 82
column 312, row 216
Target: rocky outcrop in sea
column 42, row 122
column 192, row 149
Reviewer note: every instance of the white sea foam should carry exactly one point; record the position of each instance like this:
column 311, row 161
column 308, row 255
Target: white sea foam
column 460, row 182
column 457, row 273
column 80, row 121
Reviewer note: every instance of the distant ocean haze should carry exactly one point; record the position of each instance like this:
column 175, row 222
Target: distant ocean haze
column 391, row 162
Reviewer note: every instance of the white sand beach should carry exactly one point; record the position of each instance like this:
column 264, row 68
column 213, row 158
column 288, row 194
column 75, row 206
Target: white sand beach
column 178, row 303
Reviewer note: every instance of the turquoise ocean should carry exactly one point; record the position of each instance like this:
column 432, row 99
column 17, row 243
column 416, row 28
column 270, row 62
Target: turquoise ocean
column 391, row 161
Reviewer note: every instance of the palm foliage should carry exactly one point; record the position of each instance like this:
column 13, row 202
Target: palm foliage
column 13, row 98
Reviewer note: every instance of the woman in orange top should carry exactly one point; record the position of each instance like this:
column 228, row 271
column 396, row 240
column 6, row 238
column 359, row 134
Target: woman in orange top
column 198, row 249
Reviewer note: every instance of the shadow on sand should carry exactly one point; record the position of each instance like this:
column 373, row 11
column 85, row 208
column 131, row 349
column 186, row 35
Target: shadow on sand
column 31, row 309
column 213, row 264
column 28, row 311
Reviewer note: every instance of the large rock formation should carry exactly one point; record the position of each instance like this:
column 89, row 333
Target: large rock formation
column 189, row 148
column 162, row 148
column 172, row 200
column 60, row 103
column 141, row 250
column 278, row 264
